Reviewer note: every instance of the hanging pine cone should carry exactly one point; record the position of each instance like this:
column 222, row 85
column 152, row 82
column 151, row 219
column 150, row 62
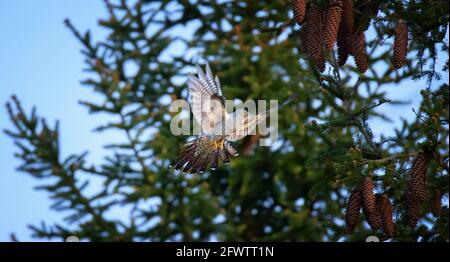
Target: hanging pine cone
column 346, row 29
column 343, row 46
column 368, row 200
column 331, row 23
column 299, row 9
column 436, row 203
column 400, row 44
column 311, row 36
column 412, row 209
column 417, row 178
column 354, row 204
column 416, row 191
column 359, row 52
column 347, row 16
column 385, row 210
column 320, row 63
column 373, row 219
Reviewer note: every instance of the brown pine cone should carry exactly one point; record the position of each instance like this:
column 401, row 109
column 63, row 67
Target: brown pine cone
column 373, row 219
column 416, row 191
column 343, row 46
column 436, row 203
column 400, row 44
column 346, row 29
column 385, row 209
column 368, row 198
column 359, row 52
column 332, row 22
column 320, row 63
column 299, row 9
column 353, row 210
column 412, row 210
column 417, row 178
column 347, row 16
column 311, row 36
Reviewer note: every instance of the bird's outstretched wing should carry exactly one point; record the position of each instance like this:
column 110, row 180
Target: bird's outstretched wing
column 218, row 128
column 242, row 123
column 239, row 124
column 208, row 108
column 207, row 101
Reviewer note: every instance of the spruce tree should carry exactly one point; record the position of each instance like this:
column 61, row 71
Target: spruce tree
column 337, row 57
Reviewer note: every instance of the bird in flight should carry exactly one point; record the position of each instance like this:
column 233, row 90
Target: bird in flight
column 218, row 127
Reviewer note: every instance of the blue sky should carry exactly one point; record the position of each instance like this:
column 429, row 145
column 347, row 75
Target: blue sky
column 41, row 63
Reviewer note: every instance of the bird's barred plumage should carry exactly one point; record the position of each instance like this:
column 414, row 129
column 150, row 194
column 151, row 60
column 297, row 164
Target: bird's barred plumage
column 201, row 153
column 218, row 127
column 208, row 107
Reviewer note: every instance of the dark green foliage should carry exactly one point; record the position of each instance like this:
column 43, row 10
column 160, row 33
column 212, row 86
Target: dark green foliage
column 296, row 191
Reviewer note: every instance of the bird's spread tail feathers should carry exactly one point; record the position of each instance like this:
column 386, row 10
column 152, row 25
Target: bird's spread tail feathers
column 196, row 156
